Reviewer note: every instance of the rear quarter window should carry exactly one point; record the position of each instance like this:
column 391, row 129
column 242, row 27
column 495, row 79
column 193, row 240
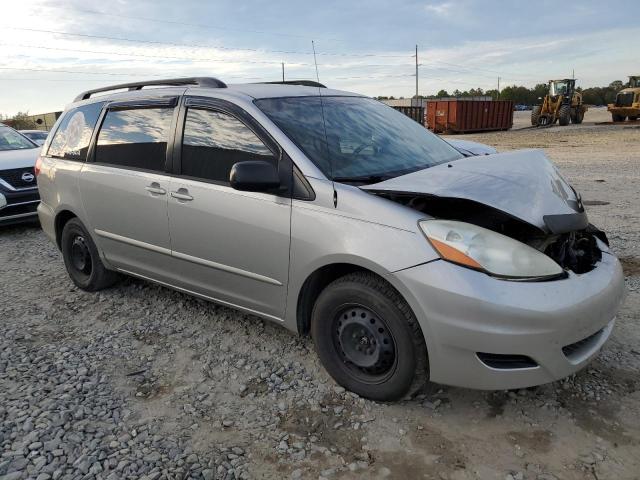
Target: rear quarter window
column 72, row 138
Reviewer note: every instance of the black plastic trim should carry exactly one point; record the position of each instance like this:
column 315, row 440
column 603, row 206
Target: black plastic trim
column 501, row 361
column 564, row 223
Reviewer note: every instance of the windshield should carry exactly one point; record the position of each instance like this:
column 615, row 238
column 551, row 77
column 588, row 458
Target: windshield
column 36, row 135
column 367, row 141
column 559, row 88
column 12, row 140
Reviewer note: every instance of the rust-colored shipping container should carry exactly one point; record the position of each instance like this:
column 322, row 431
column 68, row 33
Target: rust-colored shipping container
column 416, row 113
column 462, row 116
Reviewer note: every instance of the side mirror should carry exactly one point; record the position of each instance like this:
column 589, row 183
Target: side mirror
column 254, row 176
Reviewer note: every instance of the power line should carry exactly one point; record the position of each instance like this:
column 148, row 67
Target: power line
column 113, row 74
column 187, row 24
column 103, row 52
column 219, row 47
column 164, row 74
column 201, row 59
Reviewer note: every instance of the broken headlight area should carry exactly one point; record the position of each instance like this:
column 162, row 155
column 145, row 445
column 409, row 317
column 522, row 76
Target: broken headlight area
column 575, row 251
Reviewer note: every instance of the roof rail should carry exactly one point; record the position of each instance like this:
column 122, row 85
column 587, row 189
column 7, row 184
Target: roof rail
column 304, row 83
column 208, row 82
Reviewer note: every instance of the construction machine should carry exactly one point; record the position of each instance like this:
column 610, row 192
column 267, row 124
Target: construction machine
column 562, row 104
column 627, row 102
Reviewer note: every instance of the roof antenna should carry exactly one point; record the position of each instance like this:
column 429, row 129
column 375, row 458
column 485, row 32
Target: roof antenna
column 324, row 125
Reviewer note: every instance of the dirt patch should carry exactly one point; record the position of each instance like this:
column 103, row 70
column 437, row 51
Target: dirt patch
column 332, row 425
column 592, row 203
column 630, row 265
column 496, row 402
column 536, row 440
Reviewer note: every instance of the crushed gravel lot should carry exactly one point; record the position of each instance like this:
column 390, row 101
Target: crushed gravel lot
column 139, row 381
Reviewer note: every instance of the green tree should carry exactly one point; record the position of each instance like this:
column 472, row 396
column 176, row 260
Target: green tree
column 21, row 121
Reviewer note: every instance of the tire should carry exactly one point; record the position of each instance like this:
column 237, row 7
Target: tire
column 564, row 115
column 82, row 260
column 535, row 114
column 617, row 118
column 579, row 116
column 368, row 339
column 633, row 118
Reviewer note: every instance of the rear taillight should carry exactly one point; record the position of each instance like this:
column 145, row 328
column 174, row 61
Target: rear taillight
column 38, row 165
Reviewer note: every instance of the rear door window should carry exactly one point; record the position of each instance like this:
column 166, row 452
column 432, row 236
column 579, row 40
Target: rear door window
column 135, row 138
column 72, row 138
column 214, row 141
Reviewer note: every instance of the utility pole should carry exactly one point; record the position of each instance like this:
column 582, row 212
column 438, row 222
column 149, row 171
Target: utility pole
column 282, row 72
column 498, row 88
column 416, row 72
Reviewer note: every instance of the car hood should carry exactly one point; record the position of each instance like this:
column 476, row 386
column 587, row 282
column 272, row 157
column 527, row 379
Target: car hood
column 523, row 184
column 10, row 159
column 470, row 148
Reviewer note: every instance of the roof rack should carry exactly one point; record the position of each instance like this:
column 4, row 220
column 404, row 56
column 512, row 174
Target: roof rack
column 304, row 83
column 208, row 82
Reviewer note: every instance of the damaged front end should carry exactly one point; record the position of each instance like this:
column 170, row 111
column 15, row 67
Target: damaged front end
column 518, row 194
column 576, row 250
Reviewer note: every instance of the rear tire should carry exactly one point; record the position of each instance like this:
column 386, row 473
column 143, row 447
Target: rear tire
column 535, row 114
column 618, row 118
column 82, row 260
column 579, row 116
column 368, row 339
column 633, row 118
column 564, row 115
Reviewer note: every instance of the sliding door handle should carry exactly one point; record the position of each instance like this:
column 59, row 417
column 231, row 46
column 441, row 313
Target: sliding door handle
column 155, row 189
column 182, row 194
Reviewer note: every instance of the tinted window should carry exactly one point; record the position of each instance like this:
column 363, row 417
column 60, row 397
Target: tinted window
column 213, row 142
column 364, row 138
column 71, row 140
column 135, row 138
column 12, row 140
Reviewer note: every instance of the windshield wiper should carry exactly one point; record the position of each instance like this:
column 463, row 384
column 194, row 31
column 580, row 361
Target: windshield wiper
column 364, row 179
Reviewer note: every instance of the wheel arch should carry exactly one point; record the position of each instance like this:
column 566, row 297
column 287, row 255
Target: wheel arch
column 322, row 276
column 61, row 219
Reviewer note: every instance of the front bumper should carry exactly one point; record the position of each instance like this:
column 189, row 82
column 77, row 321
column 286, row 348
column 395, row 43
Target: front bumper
column 18, row 205
column 463, row 312
column 633, row 110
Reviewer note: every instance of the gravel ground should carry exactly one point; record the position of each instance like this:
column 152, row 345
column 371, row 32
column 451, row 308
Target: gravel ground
column 142, row 382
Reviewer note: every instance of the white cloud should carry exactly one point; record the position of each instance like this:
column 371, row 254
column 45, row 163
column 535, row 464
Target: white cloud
column 441, row 9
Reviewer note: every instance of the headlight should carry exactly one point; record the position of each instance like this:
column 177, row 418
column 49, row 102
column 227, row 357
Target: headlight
column 491, row 252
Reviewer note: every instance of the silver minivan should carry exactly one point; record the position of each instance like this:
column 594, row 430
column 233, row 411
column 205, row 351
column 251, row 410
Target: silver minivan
column 407, row 260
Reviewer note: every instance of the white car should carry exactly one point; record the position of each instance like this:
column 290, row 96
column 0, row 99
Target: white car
column 19, row 196
column 37, row 136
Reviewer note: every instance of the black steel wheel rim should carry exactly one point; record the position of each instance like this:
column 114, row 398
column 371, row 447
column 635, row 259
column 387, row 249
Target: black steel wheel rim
column 364, row 343
column 80, row 255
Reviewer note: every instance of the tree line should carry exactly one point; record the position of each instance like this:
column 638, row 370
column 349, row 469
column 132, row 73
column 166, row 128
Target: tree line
column 530, row 96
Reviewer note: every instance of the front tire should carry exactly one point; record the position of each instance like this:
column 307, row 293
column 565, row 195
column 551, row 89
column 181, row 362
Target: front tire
column 535, row 115
column 564, row 115
column 82, row 260
column 617, row 118
column 368, row 339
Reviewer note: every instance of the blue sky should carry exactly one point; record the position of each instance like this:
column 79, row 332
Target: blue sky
column 363, row 46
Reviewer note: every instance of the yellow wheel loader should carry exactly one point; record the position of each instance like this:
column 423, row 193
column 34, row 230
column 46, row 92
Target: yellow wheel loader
column 563, row 104
column 627, row 102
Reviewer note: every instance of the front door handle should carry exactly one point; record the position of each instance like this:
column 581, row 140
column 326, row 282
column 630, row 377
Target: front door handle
column 182, row 194
column 156, row 189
